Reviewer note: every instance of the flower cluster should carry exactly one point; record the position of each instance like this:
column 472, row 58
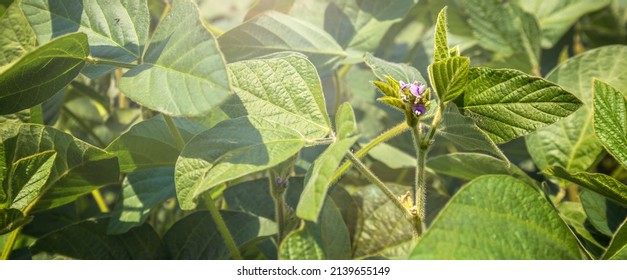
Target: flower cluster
column 415, row 94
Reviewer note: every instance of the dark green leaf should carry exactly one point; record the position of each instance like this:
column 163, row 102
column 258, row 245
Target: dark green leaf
column 196, row 237
column 11, row 219
column 141, row 191
column 604, row 215
column 88, row 241
column 618, row 247
column 41, row 73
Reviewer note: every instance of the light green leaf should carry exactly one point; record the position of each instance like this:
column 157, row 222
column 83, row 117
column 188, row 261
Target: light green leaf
column 16, row 36
column 392, row 157
column 469, row 166
column 464, row 133
column 440, row 41
column 471, row 226
column 141, row 191
column 326, row 240
column 78, row 167
column 610, row 120
column 11, row 219
column 88, row 240
column 598, row 182
column 283, row 90
column 183, row 72
column 26, row 178
column 230, row 150
column 557, row 17
column 358, row 26
column 150, row 144
column 196, row 236
column 345, row 124
column 449, row 76
column 618, row 247
column 318, row 179
column 398, row 71
column 273, row 32
column 571, row 142
column 117, row 30
column 507, row 104
column 42, row 72
column 381, row 231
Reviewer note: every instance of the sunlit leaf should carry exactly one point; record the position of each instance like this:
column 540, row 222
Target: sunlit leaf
column 183, row 72
column 16, row 36
column 598, row 182
column 41, row 73
column 230, row 150
column 497, row 217
column 610, row 120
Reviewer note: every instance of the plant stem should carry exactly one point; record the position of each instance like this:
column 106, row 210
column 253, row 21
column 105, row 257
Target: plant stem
column 391, row 133
column 102, row 205
column 420, row 194
column 36, row 114
column 180, row 143
column 224, row 231
column 99, row 61
column 278, row 195
column 377, row 182
column 8, row 246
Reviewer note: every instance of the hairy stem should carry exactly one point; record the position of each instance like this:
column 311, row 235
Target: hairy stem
column 377, row 182
column 393, row 132
column 102, row 205
column 278, row 195
column 420, row 193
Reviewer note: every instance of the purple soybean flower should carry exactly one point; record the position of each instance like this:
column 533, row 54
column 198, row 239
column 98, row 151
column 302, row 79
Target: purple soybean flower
column 419, row 109
column 417, row 89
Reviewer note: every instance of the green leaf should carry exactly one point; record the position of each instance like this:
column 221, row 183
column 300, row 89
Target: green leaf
column 381, row 231
column 88, row 241
column 230, row 150
column 465, row 134
column 26, row 178
column 16, row 36
column 469, row 166
column 150, row 144
column 604, row 215
column 42, row 72
column 571, row 142
column 11, row 219
column 471, row 226
column 507, row 104
column 575, row 216
column 318, row 179
column 449, row 76
column 78, row 167
column 284, row 90
column 273, row 32
column 398, row 71
column 610, row 120
column 117, row 30
column 557, row 17
column 141, row 191
column 358, row 26
column 196, row 236
column 392, row 157
column 598, row 182
column 440, row 41
column 183, row 72
column 326, row 240
column 618, row 247
column 345, row 124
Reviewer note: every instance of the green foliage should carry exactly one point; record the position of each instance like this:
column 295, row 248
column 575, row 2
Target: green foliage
column 207, row 130
column 471, row 226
